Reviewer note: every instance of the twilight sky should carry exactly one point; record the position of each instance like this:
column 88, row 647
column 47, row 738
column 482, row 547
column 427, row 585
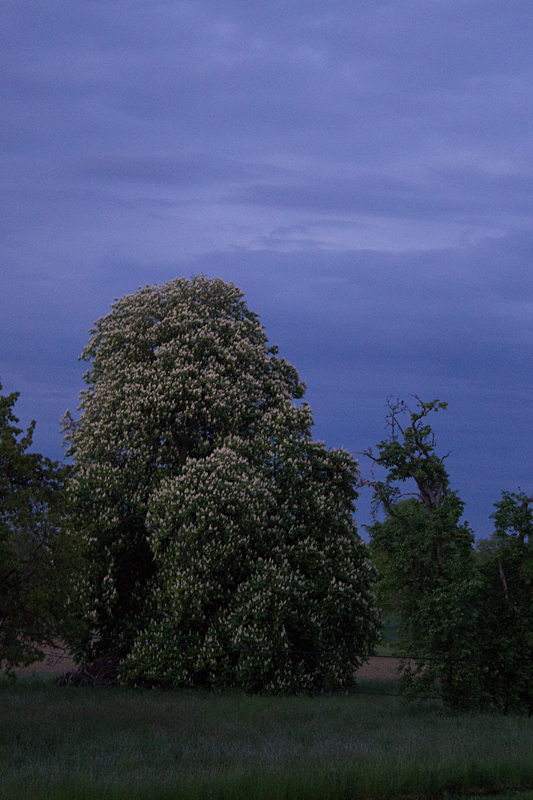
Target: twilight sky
column 362, row 169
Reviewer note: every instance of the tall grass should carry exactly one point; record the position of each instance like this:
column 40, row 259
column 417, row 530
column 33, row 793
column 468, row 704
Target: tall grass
column 113, row 744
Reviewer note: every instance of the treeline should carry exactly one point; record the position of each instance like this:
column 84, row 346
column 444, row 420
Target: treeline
column 466, row 613
column 201, row 537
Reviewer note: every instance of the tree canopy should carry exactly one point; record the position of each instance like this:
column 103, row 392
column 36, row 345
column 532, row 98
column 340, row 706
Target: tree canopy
column 506, row 637
column 219, row 536
column 426, row 556
column 35, row 550
column 466, row 616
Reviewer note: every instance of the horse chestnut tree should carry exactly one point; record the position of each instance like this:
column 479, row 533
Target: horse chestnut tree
column 219, row 538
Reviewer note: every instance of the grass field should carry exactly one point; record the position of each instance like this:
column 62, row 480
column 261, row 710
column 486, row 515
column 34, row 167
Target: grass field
column 118, row 744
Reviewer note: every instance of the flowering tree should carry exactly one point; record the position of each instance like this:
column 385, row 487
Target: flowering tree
column 264, row 583
column 219, row 536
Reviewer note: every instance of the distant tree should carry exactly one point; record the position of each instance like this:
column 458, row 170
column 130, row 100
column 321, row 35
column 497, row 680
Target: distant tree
column 35, row 551
column 219, row 537
column 426, row 555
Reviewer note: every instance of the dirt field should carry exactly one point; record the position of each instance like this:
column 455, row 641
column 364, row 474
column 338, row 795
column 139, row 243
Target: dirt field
column 383, row 668
column 58, row 661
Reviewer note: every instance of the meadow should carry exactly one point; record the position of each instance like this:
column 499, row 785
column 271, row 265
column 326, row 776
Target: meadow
column 123, row 744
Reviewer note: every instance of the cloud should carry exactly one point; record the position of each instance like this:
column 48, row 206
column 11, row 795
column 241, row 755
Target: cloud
column 444, row 195
column 185, row 170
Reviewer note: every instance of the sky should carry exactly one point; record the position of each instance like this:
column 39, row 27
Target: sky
column 363, row 171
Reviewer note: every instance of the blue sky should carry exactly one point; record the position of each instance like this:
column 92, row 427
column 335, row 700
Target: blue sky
column 362, row 170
